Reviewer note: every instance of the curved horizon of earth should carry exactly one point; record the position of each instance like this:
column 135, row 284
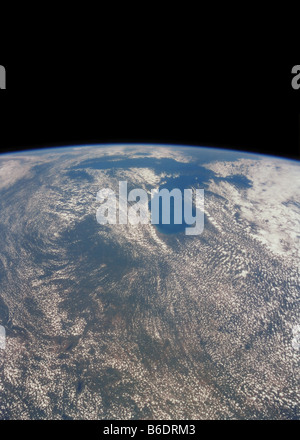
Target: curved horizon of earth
column 143, row 321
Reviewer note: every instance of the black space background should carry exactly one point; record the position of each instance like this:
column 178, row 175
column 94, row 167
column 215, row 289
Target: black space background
column 167, row 95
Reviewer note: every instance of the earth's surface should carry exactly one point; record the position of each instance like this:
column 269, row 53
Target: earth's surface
column 145, row 322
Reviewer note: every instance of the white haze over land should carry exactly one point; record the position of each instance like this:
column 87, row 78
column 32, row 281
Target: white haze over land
column 272, row 203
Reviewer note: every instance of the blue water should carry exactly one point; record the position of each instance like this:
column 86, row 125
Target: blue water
column 191, row 175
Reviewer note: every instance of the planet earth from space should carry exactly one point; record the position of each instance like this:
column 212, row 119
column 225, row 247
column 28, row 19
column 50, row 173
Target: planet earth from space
column 142, row 321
